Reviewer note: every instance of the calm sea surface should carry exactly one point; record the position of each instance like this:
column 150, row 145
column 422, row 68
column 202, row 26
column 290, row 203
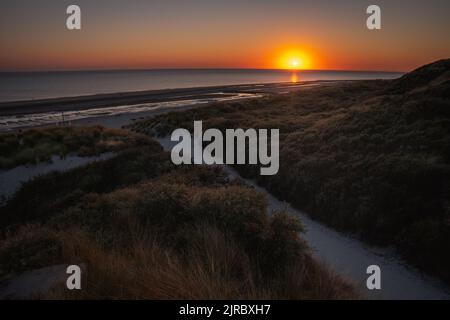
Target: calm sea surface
column 38, row 85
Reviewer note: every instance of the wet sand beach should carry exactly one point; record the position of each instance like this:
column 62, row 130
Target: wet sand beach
column 139, row 97
column 118, row 108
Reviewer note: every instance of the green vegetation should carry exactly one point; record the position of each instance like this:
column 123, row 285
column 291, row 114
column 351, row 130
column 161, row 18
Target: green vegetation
column 146, row 229
column 38, row 145
column 371, row 158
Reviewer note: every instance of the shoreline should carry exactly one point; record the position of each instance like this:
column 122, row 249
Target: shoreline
column 120, row 108
column 85, row 102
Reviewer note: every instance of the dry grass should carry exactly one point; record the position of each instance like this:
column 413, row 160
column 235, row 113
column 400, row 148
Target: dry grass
column 40, row 144
column 216, row 269
column 145, row 229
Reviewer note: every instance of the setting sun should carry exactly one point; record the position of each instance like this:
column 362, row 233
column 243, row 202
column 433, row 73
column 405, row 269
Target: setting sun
column 294, row 60
column 296, row 63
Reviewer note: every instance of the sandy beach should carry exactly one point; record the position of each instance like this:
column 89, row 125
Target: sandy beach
column 138, row 97
column 118, row 109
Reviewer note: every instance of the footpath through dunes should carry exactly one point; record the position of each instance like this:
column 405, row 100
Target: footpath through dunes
column 350, row 257
column 369, row 158
column 186, row 233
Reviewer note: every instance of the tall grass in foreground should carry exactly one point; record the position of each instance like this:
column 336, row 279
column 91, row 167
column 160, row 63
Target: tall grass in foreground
column 146, row 229
column 215, row 269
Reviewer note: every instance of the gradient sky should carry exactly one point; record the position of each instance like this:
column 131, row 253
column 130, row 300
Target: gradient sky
column 135, row 34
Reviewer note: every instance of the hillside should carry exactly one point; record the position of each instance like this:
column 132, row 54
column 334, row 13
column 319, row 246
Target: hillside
column 371, row 158
column 436, row 74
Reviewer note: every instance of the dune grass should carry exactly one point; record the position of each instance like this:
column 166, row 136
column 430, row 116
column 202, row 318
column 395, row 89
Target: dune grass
column 371, row 157
column 38, row 145
column 146, row 229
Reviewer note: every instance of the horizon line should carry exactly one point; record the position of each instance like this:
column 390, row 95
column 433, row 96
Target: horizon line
column 191, row 69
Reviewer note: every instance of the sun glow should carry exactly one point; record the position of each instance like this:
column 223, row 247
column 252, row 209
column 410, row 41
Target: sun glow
column 294, row 60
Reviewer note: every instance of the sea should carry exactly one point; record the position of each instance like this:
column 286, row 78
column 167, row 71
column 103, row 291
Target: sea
column 17, row 86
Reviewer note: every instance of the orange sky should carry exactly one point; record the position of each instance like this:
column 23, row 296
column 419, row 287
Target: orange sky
column 217, row 34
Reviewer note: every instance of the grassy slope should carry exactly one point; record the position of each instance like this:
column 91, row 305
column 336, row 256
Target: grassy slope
column 371, row 158
column 147, row 229
column 37, row 145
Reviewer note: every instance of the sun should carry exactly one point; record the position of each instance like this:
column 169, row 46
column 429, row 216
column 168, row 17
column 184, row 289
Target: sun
column 296, row 63
column 294, row 60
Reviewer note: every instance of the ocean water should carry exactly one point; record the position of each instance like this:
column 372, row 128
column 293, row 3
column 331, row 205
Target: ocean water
column 38, row 85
